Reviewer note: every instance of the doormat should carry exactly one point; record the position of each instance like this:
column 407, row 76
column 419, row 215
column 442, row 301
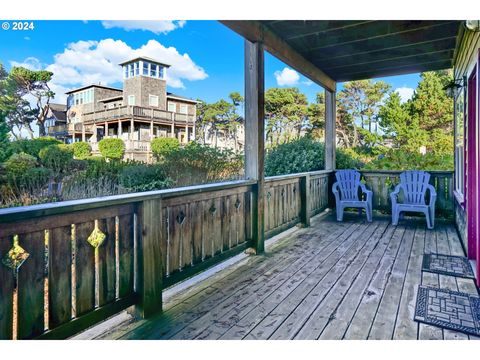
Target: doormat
column 448, row 309
column 448, row 265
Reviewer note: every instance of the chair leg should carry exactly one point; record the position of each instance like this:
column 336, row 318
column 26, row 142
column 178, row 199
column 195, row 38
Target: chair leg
column 339, row 213
column 368, row 210
column 429, row 220
column 360, row 211
column 395, row 215
column 432, row 216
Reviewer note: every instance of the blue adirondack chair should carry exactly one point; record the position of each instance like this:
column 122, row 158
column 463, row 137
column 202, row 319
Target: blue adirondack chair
column 414, row 186
column 346, row 191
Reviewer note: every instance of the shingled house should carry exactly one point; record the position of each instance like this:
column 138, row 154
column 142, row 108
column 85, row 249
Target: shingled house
column 139, row 112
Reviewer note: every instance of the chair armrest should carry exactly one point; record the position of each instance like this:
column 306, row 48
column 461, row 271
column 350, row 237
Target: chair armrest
column 367, row 192
column 433, row 195
column 335, row 191
column 394, row 194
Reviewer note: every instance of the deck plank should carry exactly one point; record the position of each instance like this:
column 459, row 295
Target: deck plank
column 333, row 280
column 384, row 321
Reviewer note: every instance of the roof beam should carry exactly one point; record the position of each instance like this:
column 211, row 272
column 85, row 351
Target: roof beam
column 394, row 70
column 256, row 32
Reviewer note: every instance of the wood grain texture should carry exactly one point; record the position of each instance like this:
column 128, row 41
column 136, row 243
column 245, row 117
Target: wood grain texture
column 84, row 269
column 60, row 276
column 125, row 242
column 31, row 277
column 6, row 292
column 107, row 262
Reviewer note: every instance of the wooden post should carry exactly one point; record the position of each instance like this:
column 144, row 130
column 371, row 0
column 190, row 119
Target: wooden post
column 330, row 133
column 83, row 133
column 305, row 200
column 151, row 130
column 150, row 275
column 106, row 129
column 131, row 128
column 172, row 134
column 255, row 133
column 119, row 131
column 194, row 122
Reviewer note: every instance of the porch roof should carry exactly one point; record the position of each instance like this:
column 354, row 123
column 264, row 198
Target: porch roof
column 346, row 50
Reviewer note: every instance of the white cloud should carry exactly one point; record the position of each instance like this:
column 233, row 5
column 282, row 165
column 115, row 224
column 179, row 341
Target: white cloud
column 405, row 93
column 286, row 77
column 92, row 62
column 157, row 27
column 26, row 38
column 30, row 63
column 307, row 82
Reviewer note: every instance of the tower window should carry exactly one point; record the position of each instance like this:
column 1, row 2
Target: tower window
column 152, row 100
column 153, row 70
column 145, row 68
column 162, row 72
column 171, row 107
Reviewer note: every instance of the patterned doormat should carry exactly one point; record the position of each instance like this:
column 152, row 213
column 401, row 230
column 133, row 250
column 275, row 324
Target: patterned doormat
column 448, row 309
column 448, row 265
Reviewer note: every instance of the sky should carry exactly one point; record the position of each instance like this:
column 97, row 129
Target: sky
column 206, row 58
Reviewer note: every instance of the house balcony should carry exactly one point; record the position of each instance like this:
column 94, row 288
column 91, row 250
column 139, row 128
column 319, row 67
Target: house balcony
column 137, row 113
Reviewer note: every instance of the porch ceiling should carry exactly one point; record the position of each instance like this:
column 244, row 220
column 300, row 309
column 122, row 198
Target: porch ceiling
column 348, row 50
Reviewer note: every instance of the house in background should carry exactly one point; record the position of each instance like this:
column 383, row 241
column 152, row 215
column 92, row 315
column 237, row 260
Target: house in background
column 138, row 113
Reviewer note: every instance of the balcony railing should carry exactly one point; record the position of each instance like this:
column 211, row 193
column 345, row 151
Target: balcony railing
column 136, row 112
column 65, row 128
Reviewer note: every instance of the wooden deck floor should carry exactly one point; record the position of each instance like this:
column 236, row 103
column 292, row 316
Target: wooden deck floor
column 350, row 280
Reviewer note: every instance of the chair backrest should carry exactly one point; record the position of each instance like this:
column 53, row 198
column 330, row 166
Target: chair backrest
column 348, row 182
column 414, row 185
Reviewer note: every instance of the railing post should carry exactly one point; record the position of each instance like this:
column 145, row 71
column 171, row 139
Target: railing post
column 149, row 258
column 305, row 200
column 255, row 133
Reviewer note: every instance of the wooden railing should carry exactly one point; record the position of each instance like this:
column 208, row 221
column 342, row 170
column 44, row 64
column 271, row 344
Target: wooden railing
column 68, row 265
column 137, row 112
column 383, row 182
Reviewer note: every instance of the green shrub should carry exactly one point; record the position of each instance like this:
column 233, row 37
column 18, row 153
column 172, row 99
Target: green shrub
column 57, row 157
column 20, row 163
column 161, row 147
column 33, row 146
column 143, row 178
column 301, row 155
column 112, row 148
column 196, row 164
column 405, row 160
column 348, row 159
column 81, row 150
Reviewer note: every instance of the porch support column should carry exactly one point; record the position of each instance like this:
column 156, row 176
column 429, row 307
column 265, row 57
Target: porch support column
column 330, row 132
column 151, row 130
column 83, row 132
column 119, row 131
column 172, row 134
column 255, row 133
column 106, row 129
column 194, row 122
column 131, row 129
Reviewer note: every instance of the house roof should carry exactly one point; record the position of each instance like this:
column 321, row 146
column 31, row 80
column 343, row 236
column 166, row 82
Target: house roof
column 111, row 98
column 59, row 111
column 144, row 58
column 346, row 50
column 182, row 98
column 92, row 85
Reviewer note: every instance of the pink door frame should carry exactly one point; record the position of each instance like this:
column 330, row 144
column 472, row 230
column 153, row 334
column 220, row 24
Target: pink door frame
column 473, row 168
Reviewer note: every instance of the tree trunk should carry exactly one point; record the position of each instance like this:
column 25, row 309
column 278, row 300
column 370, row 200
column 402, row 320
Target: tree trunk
column 41, row 129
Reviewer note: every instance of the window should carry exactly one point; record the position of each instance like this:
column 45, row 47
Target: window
column 125, row 69
column 460, row 144
column 130, row 69
column 183, row 109
column 136, row 66
column 131, row 100
column 172, row 107
column 162, row 72
column 152, row 100
column 153, row 70
column 145, row 68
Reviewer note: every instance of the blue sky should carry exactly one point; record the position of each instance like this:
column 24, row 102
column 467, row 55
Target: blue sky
column 206, row 57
